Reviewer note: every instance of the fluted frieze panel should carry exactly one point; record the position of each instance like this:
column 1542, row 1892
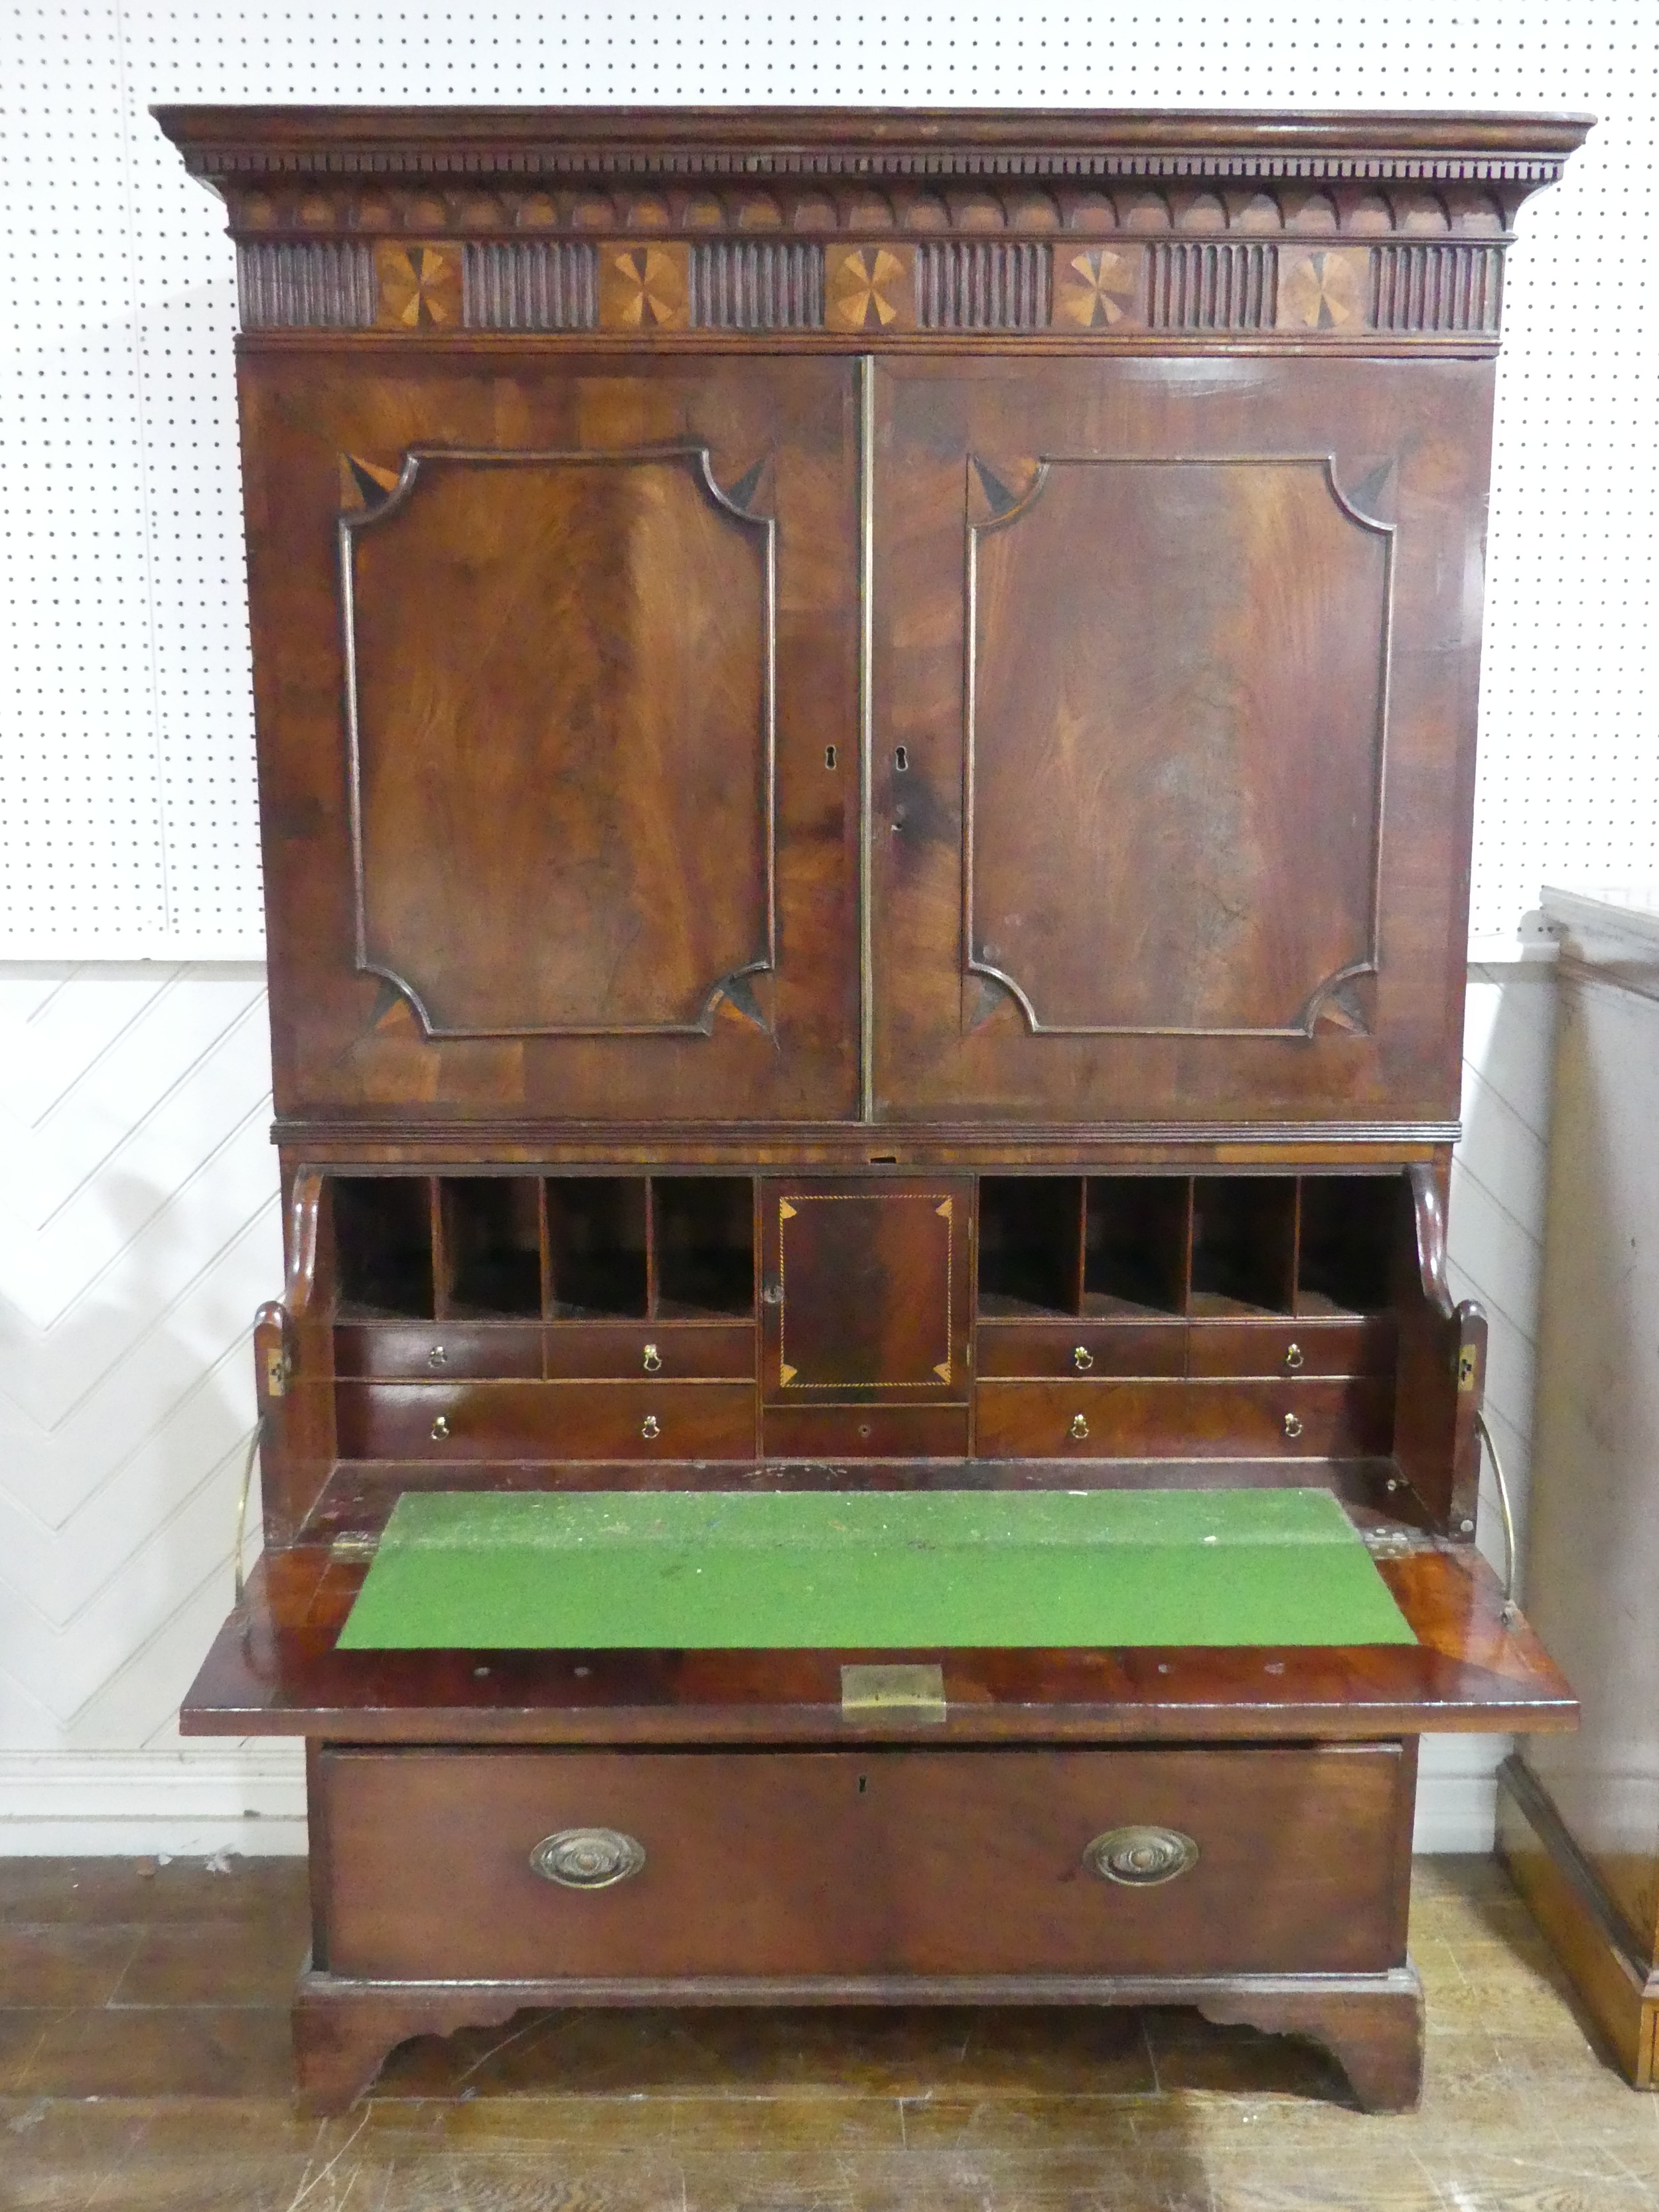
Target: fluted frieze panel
column 1437, row 288
column 755, row 284
column 1213, row 285
column 321, row 283
column 530, row 284
column 982, row 284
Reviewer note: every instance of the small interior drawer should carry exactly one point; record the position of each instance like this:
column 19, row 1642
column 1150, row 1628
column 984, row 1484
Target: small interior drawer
column 546, row 1420
column 1293, row 1347
column 1081, row 1347
column 1089, row 1419
column 865, row 1432
column 624, row 1350
column 873, row 1860
column 436, row 1350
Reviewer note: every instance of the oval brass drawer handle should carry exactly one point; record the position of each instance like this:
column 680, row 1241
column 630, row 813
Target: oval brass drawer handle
column 587, row 1858
column 1140, row 1857
column 1082, row 1358
column 440, row 1428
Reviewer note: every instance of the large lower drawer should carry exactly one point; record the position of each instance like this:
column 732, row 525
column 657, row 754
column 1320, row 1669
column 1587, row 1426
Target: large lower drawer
column 1088, row 1420
column 872, row 1861
column 546, row 1420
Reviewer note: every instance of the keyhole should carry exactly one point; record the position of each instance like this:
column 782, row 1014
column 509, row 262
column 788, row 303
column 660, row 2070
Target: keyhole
column 901, row 760
column 864, row 1783
column 828, row 757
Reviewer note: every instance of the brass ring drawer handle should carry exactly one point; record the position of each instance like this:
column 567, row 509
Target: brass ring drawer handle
column 440, row 1428
column 1295, row 1357
column 437, row 1357
column 1082, row 1358
column 653, row 1361
column 1292, row 1425
column 587, row 1858
column 650, row 1428
column 1140, row 1857
column 1079, row 1427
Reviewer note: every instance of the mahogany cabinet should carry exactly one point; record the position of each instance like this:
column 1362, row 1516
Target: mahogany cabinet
column 866, row 728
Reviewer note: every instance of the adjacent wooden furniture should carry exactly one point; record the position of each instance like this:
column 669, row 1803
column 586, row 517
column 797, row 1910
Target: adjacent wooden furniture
column 1579, row 1822
column 866, row 733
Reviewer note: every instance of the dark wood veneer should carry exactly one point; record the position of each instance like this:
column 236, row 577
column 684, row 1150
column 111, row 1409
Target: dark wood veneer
column 866, row 734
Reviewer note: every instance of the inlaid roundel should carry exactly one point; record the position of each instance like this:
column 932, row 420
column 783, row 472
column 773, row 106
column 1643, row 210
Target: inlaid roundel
column 560, row 698
column 1176, row 744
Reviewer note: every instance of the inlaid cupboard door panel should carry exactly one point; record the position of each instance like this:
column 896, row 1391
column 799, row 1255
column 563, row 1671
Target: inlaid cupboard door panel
column 1174, row 706
column 558, row 676
column 866, row 1293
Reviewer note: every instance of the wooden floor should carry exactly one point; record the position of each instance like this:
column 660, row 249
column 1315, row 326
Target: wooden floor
column 143, row 2063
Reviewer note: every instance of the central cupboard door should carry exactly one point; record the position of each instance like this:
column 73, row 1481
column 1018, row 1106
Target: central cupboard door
column 1175, row 668
column 561, row 781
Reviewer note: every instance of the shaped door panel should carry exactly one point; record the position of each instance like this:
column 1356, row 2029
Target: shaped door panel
column 1175, row 687
column 558, row 693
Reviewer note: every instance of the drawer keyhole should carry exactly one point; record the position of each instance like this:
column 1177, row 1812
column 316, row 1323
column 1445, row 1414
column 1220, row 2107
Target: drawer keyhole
column 1082, row 1358
column 650, row 1428
column 653, row 1361
column 440, row 1428
column 1292, row 1425
column 437, row 1357
column 1295, row 1357
column 1079, row 1427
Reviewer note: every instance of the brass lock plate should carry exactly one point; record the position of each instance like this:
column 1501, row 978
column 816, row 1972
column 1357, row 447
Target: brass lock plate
column 914, row 1693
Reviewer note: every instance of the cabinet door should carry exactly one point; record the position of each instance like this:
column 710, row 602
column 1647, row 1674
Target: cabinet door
column 1175, row 689
column 557, row 664
column 866, row 1289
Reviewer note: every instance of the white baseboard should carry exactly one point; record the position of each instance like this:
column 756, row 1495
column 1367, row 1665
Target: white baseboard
column 189, row 1804
column 141, row 1804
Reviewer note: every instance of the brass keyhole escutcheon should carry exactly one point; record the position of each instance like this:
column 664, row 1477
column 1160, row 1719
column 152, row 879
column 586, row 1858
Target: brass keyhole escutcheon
column 1082, row 1358
column 440, row 1428
column 1295, row 1357
column 437, row 1357
column 650, row 1428
column 653, row 1361
column 1079, row 1427
column 1292, row 1425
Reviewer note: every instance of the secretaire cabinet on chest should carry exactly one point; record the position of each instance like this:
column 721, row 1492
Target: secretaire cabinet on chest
column 866, row 733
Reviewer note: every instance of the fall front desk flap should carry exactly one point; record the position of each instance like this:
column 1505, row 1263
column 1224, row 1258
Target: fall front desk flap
column 815, row 1569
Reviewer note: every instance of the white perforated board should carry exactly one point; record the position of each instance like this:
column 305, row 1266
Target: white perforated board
column 127, row 807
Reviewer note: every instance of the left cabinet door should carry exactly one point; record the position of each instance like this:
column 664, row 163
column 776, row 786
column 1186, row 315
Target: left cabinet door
column 555, row 667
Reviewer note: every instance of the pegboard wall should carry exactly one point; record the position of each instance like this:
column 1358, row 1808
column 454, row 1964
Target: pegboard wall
column 127, row 808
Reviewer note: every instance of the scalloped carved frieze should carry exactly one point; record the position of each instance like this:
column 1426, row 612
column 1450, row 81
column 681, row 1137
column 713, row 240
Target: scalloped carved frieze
column 1191, row 206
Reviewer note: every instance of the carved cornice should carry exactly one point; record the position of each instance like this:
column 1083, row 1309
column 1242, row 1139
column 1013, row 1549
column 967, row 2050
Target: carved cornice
column 893, row 223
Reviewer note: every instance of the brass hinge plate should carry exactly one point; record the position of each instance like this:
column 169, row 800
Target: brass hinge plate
column 356, row 1545
column 915, row 1693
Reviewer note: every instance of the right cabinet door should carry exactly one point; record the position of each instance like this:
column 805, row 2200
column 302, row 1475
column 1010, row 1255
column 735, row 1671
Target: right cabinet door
column 1174, row 686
